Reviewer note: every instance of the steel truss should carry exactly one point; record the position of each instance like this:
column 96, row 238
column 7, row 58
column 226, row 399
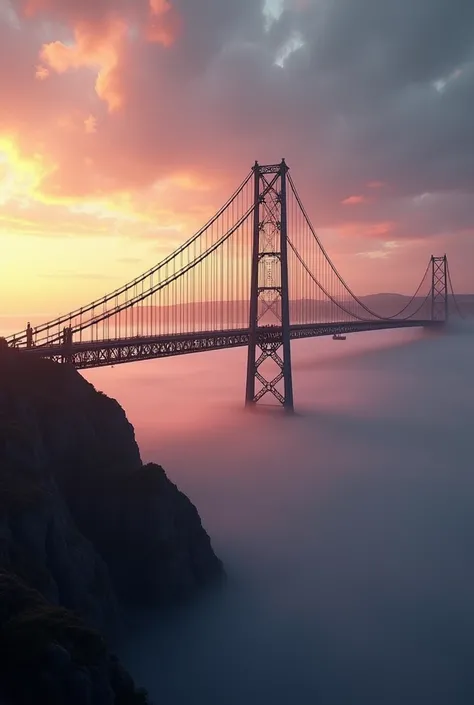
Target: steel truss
column 439, row 288
column 269, row 362
column 115, row 352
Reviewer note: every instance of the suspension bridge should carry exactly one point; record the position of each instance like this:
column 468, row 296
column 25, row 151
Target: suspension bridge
column 256, row 275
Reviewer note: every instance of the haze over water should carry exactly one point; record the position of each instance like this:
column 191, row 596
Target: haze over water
column 347, row 531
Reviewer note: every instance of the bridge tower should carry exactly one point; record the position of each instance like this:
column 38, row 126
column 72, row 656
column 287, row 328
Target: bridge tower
column 269, row 355
column 439, row 288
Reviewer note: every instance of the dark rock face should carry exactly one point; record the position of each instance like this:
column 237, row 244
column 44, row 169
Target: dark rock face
column 48, row 656
column 94, row 510
column 42, row 545
column 82, row 521
column 39, row 540
column 148, row 532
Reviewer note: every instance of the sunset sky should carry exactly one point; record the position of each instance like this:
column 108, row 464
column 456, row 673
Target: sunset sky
column 124, row 124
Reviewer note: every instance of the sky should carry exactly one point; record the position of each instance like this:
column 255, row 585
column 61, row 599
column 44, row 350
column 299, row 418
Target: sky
column 125, row 124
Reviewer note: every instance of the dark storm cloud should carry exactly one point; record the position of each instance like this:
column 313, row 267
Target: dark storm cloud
column 380, row 90
column 371, row 75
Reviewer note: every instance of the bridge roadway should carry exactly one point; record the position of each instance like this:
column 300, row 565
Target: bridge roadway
column 103, row 353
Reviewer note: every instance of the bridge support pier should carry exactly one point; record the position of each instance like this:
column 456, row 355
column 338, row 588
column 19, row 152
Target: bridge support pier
column 439, row 288
column 269, row 354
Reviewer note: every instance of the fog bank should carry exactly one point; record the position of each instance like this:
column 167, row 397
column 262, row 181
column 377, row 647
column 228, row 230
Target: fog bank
column 347, row 531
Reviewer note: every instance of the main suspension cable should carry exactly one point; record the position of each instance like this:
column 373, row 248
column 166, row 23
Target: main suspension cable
column 341, row 279
column 66, row 318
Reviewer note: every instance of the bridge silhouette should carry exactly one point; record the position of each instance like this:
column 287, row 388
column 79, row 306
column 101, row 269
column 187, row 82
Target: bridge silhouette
column 256, row 275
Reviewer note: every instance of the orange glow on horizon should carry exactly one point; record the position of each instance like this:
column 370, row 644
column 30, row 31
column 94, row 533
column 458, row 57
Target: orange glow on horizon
column 60, row 251
column 100, row 174
column 21, row 177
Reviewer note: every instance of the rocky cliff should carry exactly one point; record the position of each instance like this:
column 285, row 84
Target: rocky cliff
column 82, row 520
column 50, row 657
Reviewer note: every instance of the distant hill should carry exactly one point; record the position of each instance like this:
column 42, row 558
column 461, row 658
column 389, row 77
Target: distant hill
column 211, row 314
column 387, row 304
column 384, row 297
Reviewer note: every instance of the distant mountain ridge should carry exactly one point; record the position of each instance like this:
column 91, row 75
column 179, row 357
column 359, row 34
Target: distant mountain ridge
column 383, row 295
column 236, row 313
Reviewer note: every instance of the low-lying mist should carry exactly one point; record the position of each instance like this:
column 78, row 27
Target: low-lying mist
column 347, row 530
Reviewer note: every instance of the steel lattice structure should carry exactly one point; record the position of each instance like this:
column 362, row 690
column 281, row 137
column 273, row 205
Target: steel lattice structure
column 439, row 288
column 269, row 294
column 256, row 276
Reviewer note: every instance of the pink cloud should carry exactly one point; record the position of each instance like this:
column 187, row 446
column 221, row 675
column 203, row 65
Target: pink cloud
column 100, row 51
column 354, row 200
column 90, row 124
column 186, row 87
column 165, row 23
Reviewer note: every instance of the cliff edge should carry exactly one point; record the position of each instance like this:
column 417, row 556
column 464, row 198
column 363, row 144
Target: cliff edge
column 82, row 520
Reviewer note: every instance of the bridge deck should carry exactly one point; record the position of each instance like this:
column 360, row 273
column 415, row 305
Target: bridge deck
column 103, row 353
